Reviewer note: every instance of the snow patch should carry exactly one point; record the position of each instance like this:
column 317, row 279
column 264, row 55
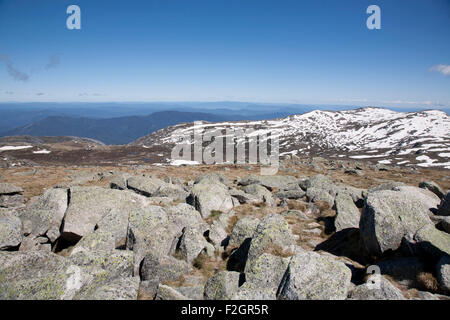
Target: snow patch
column 8, row 148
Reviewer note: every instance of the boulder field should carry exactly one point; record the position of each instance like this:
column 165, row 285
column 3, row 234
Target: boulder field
column 257, row 237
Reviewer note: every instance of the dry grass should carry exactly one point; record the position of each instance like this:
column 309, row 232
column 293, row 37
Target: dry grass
column 208, row 266
column 426, row 281
column 325, row 209
column 297, row 205
column 231, row 223
column 180, row 282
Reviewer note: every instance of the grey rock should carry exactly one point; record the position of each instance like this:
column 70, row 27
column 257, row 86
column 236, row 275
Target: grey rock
column 272, row 231
column 119, row 181
column 39, row 275
column 315, row 194
column 249, row 292
column 192, row 292
column 290, row 194
column 222, row 286
column 144, row 185
column 9, row 189
column 116, row 223
column 209, row 196
column 121, row 288
column 271, row 182
column 44, row 214
column 10, row 231
column 213, row 177
column 149, row 231
column 243, row 197
column 165, row 292
column 243, row 229
column 163, row 269
column 100, row 239
column 433, row 187
column 443, row 273
column 433, row 241
column 311, row 276
column 191, row 244
column 429, row 201
column 347, row 214
column 261, row 192
column 115, row 262
column 266, row 272
column 386, row 186
column 88, row 205
column 388, row 216
column 11, row 201
column 184, row 215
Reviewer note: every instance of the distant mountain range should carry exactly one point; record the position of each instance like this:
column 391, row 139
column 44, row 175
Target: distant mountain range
column 120, row 130
column 122, row 123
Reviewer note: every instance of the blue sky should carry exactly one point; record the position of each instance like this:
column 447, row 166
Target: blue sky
column 313, row 52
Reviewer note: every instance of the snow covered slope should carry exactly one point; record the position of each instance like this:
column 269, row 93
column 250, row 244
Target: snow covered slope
column 381, row 135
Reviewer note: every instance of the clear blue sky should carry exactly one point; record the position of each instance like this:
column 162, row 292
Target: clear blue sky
column 317, row 52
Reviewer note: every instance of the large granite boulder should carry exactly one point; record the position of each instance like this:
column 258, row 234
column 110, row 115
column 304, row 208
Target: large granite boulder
column 388, row 216
column 311, row 276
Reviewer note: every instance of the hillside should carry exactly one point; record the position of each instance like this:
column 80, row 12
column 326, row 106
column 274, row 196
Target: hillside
column 376, row 134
